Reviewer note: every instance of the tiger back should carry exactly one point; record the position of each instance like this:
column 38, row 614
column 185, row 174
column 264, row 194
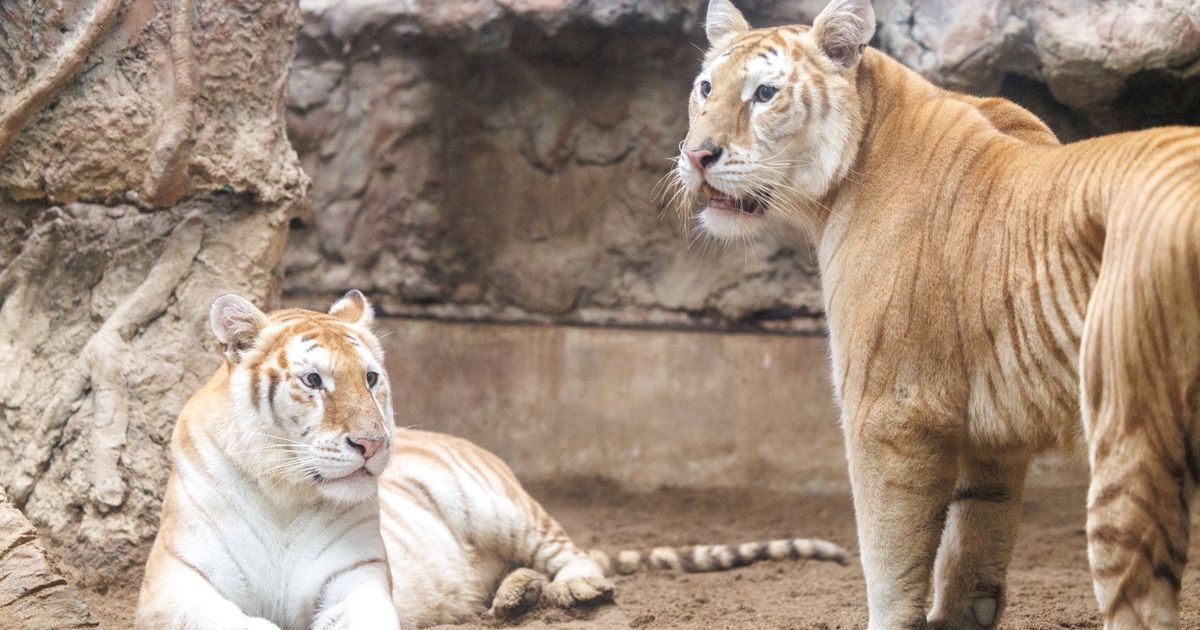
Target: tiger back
column 269, row 518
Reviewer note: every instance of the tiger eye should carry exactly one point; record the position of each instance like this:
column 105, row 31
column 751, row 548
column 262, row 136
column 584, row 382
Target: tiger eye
column 763, row 93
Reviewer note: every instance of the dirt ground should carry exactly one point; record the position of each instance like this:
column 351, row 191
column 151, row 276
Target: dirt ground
column 1048, row 581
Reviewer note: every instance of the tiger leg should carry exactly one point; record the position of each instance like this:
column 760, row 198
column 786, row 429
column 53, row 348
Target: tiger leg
column 177, row 596
column 357, row 598
column 1137, row 529
column 1140, row 375
column 902, row 473
column 1143, row 478
column 577, row 577
column 524, row 535
column 981, row 528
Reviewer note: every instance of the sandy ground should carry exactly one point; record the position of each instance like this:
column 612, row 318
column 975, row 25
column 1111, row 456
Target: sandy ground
column 1048, row 581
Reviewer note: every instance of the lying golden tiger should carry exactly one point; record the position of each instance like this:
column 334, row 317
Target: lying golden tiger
column 986, row 289
column 270, row 519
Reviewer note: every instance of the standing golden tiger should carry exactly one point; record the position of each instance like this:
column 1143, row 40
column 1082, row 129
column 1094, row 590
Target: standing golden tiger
column 280, row 513
column 990, row 294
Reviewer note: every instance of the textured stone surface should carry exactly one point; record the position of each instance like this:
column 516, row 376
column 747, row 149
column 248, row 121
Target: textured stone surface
column 176, row 107
column 103, row 337
column 33, row 594
column 96, row 140
column 1097, row 57
column 496, row 160
column 517, row 185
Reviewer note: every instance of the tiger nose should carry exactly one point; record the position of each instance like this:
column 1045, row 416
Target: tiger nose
column 702, row 158
column 366, row 446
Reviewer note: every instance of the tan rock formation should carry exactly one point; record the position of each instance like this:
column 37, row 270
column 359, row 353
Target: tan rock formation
column 144, row 170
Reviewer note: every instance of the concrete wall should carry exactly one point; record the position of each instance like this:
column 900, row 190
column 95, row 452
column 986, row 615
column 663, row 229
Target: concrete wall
column 645, row 408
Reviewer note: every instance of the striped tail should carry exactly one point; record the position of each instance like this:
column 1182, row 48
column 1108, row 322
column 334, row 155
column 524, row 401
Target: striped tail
column 702, row 558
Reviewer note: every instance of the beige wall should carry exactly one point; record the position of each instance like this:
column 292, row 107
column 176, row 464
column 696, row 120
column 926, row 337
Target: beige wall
column 644, row 408
column 641, row 407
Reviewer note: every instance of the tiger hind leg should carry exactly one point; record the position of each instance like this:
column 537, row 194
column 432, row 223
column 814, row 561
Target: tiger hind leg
column 581, row 590
column 518, row 592
column 578, row 579
column 1137, row 530
column 1140, row 376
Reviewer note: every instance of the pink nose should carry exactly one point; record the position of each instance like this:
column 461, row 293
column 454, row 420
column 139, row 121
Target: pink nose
column 697, row 158
column 702, row 157
column 366, row 446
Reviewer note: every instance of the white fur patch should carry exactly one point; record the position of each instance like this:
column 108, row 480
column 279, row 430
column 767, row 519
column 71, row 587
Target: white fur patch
column 728, row 226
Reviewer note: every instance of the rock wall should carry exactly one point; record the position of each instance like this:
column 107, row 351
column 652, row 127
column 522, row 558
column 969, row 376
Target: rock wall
column 502, row 168
column 497, row 160
column 145, row 169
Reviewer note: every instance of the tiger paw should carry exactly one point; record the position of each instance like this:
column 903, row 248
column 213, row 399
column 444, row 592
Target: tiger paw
column 519, row 591
column 977, row 614
column 582, row 590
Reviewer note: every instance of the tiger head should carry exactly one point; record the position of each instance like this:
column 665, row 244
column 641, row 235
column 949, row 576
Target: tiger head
column 774, row 119
column 309, row 396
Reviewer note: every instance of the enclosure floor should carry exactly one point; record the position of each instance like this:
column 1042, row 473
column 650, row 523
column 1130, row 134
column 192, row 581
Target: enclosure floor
column 1048, row 581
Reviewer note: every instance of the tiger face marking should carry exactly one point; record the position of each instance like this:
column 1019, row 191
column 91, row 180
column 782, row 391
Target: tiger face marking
column 769, row 126
column 269, row 520
column 312, row 395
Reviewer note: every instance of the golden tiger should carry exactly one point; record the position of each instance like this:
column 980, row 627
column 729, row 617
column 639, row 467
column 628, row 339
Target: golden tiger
column 280, row 513
column 990, row 294
column 269, row 519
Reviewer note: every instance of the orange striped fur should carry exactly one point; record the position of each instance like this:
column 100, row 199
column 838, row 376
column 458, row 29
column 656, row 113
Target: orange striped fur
column 269, row 519
column 990, row 294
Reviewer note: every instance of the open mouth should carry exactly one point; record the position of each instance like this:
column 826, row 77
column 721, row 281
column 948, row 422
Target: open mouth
column 722, row 201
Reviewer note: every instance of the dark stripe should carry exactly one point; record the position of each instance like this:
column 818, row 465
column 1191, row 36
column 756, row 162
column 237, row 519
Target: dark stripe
column 989, row 494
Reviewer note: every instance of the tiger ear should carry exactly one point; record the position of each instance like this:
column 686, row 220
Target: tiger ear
column 843, row 28
column 236, row 324
column 722, row 22
column 354, row 308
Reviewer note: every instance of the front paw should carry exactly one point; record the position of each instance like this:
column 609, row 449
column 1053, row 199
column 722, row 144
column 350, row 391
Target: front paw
column 977, row 614
column 583, row 590
column 519, row 591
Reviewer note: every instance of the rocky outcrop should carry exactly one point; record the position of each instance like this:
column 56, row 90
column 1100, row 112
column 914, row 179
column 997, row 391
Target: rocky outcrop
column 1116, row 65
column 1088, row 68
column 33, row 594
column 497, row 159
column 145, row 171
